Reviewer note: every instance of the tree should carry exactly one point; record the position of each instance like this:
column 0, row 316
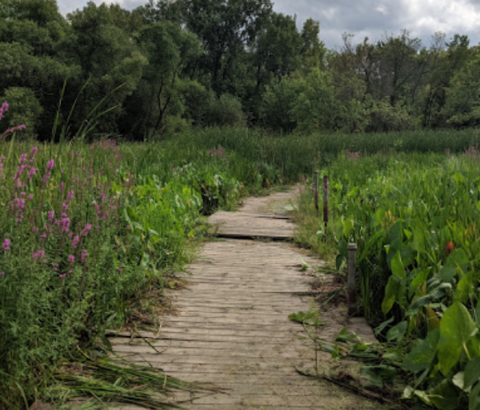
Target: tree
column 108, row 57
column 225, row 29
column 399, row 67
column 315, row 107
column 462, row 99
column 168, row 49
column 29, row 38
column 313, row 50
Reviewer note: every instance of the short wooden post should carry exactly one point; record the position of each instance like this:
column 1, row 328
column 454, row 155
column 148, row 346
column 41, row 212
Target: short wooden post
column 315, row 188
column 325, row 201
column 352, row 279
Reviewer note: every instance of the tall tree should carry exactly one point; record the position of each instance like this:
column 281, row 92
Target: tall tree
column 225, row 29
column 168, row 49
column 102, row 46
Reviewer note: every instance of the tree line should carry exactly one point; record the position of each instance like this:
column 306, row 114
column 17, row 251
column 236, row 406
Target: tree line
column 174, row 64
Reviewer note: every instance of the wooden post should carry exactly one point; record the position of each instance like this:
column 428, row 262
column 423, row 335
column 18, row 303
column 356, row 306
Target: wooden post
column 325, row 201
column 315, row 188
column 352, row 279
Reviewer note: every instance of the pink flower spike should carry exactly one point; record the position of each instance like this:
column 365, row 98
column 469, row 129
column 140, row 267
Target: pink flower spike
column 34, row 230
column 62, row 185
column 50, row 165
column 6, row 244
column 87, row 229
column 128, row 227
column 63, row 276
column 71, row 259
column 43, row 237
column 41, row 254
column 65, row 224
column 2, row 273
column 33, row 152
column 84, row 256
column 75, row 241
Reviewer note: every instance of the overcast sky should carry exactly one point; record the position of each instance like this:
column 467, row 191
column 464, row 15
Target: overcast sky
column 372, row 18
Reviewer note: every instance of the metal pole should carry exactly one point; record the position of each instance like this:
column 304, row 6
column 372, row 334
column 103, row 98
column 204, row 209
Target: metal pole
column 352, row 279
column 315, row 188
column 325, row 201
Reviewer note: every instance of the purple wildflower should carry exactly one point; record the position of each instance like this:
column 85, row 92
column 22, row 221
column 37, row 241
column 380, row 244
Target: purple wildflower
column 75, row 241
column 51, row 215
column 43, row 237
column 84, row 256
column 65, row 224
column 63, row 276
column 6, row 244
column 13, row 129
column 62, row 185
column 86, row 230
column 50, row 165
column 3, row 109
column 71, row 259
column 33, row 152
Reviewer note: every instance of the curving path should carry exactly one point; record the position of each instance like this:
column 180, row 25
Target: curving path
column 232, row 327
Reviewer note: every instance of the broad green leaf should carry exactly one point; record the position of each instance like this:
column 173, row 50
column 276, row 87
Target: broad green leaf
column 444, row 396
column 390, row 294
column 472, row 372
column 397, row 266
column 418, row 240
column 397, row 332
column 347, row 227
column 459, row 178
column 456, row 328
column 379, row 375
column 423, row 396
column 474, row 398
column 379, row 329
column 465, row 288
column 419, row 279
column 423, row 353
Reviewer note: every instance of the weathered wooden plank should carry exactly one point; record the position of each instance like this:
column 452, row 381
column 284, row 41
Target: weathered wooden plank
column 231, row 325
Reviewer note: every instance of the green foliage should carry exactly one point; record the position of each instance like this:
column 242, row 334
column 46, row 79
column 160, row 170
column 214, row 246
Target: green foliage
column 414, row 221
column 314, row 108
column 25, row 109
column 225, row 110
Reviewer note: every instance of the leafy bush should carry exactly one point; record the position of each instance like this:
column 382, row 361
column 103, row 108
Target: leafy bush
column 415, row 220
column 224, row 110
column 24, row 109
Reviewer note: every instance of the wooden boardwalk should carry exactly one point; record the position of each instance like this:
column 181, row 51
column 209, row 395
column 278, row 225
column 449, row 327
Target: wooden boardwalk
column 232, row 327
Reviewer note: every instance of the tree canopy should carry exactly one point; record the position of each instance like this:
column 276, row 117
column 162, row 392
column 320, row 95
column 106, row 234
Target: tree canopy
column 173, row 64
